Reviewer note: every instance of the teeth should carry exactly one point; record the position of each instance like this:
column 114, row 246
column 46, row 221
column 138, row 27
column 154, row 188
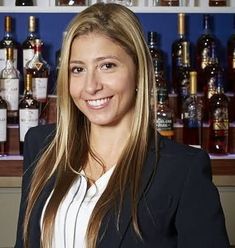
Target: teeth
column 98, row 102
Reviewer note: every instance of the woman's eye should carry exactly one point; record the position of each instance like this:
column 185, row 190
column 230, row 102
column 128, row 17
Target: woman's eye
column 76, row 69
column 107, row 66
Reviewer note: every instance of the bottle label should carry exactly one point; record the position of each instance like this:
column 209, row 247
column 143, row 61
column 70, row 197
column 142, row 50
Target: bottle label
column 10, row 92
column 27, row 56
column 220, row 119
column 211, row 87
column 39, row 86
column 205, row 57
column 3, row 58
column 164, row 124
column 27, row 118
column 3, row 125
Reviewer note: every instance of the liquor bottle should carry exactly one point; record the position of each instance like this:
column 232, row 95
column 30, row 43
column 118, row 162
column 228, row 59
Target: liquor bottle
column 3, row 127
column 192, row 115
column 211, row 72
column 28, row 111
column 24, row 3
column 183, row 78
column 204, row 50
column 8, row 41
column 28, row 44
column 39, row 69
column 169, row 2
column 231, row 59
column 164, row 115
column 72, row 2
column 177, row 50
column 217, row 3
column 219, row 121
column 10, row 78
column 156, row 53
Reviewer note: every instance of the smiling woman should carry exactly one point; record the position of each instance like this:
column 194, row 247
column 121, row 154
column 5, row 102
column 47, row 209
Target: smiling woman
column 102, row 176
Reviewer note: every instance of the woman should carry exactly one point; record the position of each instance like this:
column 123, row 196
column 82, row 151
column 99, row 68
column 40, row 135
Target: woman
column 101, row 177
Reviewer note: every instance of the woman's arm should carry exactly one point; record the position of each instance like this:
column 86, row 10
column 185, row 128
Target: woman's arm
column 200, row 220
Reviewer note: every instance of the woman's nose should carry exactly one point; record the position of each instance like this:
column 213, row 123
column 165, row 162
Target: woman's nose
column 92, row 84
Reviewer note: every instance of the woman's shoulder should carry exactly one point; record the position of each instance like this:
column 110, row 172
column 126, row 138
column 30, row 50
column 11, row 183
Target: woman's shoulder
column 41, row 131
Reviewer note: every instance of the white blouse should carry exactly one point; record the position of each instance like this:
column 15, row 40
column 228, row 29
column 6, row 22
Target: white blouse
column 74, row 212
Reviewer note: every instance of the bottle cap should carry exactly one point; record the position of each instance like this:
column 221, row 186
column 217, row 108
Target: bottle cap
column 181, row 23
column 193, row 82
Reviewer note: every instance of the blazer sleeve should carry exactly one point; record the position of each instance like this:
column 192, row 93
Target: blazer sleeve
column 36, row 140
column 199, row 220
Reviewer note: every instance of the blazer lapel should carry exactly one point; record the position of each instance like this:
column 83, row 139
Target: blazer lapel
column 108, row 232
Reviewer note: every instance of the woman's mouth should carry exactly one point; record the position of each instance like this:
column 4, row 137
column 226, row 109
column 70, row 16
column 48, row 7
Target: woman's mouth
column 98, row 102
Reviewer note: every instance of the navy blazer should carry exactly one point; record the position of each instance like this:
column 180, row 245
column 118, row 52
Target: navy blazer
column 178, row 205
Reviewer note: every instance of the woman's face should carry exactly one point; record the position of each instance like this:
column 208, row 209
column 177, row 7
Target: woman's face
column 102, row 80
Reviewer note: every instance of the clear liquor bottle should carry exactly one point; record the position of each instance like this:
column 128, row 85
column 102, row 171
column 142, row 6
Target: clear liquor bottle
column 204, row 46
column 29, row 42
column 8, row 41
column 24, row 3
column 218, row 3
column 192, row 115
column 28, row 111
column 10, row 79
column 177, row 50
column 156, row 53
column 3, row 127
column 219, row 121
column 40, row 70
column 164, row 117
column 183, row 78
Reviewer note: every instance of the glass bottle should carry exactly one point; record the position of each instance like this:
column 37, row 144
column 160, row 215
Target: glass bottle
column 177, row 50
column 164, row 115
column 218, row 3
column 28, row 111
column 71, row 2
column 231, row 59
column 156, row 53
column 3, row 127
column 28, row 44
column 39, row 69
column 24, row 3
column 183, row 78
column 8, row 41
column 10, row 78
column 219, row 121
column 211, row 72
column 169, row 2
column 192, row 115
column 204, row 46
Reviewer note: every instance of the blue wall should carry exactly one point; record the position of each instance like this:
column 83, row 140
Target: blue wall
column 52, row 25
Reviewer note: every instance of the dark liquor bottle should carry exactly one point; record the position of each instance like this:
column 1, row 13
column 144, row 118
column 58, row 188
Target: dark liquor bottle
column 10, row 78
column 28, row 111
column 71, row 2
column 192, row 115
column 204, row 46
column 231, row 59
column 177, row 50
column 28, row 44
column 24, row 3
column 8, row 41
column 169, row 2
column 3, row 127
column 219, row 121
column 164, row 115
column 156, row 53
column 218, row 3
column 211, row 72
column 39, row 69
column 183, row 78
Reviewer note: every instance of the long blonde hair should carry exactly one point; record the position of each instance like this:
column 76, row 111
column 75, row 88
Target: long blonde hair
column 71, row 141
